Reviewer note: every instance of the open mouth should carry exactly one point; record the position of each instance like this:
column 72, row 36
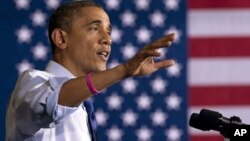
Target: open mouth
column 103, row 55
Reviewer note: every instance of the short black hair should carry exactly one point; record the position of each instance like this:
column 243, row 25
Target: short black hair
column 64, row 15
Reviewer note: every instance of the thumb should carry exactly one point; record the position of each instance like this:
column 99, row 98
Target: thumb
column 164, row 64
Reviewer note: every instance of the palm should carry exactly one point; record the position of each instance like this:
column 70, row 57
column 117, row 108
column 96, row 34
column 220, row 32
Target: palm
column 147, row 67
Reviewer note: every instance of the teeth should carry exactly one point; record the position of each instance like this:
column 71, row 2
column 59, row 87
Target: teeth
column 104, row 54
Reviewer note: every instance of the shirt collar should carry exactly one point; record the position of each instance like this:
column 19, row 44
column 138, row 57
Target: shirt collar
column 58, row 70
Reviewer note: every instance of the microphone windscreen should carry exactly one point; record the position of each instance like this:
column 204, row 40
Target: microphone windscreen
column 209, row 119
column 195, row 122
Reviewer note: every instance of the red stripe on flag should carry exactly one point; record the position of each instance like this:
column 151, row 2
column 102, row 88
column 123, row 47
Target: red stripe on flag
column 231, row 95
column 203, row 4
column 215, row 47
column 207, row 138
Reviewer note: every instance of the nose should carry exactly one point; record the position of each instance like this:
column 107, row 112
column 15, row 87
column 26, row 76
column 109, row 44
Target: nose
column 106, row 40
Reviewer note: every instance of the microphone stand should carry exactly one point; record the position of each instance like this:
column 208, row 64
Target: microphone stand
column 227, row 130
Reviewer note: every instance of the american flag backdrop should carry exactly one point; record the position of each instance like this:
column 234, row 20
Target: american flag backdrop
column 211, row 52
column 218, row 65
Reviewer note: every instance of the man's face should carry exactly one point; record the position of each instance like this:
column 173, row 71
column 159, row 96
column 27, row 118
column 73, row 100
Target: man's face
column 89, row 41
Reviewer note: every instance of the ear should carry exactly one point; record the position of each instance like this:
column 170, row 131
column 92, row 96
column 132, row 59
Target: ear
column 59, row 38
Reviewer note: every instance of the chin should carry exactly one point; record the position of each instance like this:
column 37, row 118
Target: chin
column 103, row 68
column 100, row 68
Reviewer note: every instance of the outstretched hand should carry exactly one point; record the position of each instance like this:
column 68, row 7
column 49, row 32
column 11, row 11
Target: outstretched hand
column 143, row 63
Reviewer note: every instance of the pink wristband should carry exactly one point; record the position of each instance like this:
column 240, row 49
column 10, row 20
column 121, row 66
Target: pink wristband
column 90, row 85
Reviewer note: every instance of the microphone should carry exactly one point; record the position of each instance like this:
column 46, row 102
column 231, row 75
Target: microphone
column 210, row 120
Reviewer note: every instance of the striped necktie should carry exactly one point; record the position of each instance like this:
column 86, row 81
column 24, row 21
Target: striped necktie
column 91, row 119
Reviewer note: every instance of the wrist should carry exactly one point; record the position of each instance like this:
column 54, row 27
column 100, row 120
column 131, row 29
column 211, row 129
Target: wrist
column 90, row 85
column 123, row 70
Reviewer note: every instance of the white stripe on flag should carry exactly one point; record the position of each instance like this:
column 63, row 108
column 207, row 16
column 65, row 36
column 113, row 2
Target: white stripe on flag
column 219, row 71
column 219, row 22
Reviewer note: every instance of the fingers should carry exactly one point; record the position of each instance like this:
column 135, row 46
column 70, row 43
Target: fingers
column 164, row 64
column 169, row 37
column 151, row 53
column 144, row 54
column 151, row 50
column 165, row 41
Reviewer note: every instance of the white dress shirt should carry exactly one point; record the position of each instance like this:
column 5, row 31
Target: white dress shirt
column 33, row 113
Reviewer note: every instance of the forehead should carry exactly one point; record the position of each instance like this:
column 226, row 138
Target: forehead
column 88, row 14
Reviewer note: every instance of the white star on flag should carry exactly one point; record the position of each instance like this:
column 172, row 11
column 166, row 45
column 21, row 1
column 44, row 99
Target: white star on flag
column 128, row 18
column 158, row 117
column 38, row 18
column 129, row 85
column 142, row 4
column 163, row 52
column 175, row 70
column 52, row 4
column 128, row 51
column 129, row 118
column 157, row 19
column 22, row 4
column 113, row 4
column 158, row 85
column 40, row 51
column 177, row 32
column 113, row 64
column 143, row 102
column 24, row 65
column 101, row 117
column 173, row 101
column 173, row 134
column 114, row 101
column 172, row 4
column 144, row 133
column 116, row 34
column 143, row 35
column 114, row 134
column 24, row 34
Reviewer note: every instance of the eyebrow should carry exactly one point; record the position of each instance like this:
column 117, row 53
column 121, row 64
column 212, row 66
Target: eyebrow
column 94, row 22
column 99, row 22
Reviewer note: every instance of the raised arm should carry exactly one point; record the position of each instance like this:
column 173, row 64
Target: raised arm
column 74, row 91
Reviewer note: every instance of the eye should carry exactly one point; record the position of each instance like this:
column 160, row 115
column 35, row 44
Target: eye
column 94, row 28
column 109, row 32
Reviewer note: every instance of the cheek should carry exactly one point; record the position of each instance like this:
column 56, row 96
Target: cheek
column 91, row 49
column 87, row 48
column 89, row 54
